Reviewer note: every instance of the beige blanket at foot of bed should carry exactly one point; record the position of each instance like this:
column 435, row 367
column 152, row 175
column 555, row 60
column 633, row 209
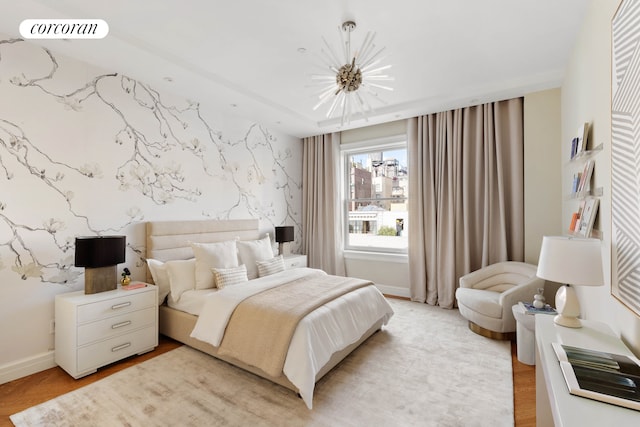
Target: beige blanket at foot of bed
column 261, row 327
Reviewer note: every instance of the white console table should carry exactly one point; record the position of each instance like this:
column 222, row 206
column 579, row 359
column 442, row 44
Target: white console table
column 554, row 404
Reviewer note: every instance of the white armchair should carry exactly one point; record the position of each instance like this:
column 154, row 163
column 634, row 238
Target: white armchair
column 485, row 296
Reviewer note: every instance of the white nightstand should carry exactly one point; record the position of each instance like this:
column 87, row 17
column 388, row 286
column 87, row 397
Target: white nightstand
column 97, row 329
column 295, row 261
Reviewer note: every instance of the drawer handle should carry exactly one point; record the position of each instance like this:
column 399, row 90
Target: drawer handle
column 121, row 347
column 121, row 324
column 121, row 305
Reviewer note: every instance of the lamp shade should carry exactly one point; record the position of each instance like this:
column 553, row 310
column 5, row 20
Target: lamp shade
column 570, row 260
column 100, row 251
column 284, row 234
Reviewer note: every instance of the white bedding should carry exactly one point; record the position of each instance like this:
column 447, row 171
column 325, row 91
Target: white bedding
column 190, row 301
column 322, row 332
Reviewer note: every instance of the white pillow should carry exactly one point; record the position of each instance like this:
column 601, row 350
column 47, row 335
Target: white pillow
column 230, row 276
column 160, row 276
column 271, row 266
column 213, row 255
column 182, row 276
column 252, row 251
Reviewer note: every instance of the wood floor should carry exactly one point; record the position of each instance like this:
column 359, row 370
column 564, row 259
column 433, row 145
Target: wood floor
column 524, row 391
column 23, row 393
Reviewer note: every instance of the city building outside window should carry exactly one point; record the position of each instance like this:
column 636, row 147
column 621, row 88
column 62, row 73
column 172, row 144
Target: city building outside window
column 375, row 211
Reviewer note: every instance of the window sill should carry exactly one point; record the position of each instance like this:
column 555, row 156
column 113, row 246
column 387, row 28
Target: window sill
column 376, row 256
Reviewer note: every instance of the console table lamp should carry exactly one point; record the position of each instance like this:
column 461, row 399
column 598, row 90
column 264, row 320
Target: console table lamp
column 99, row 256
column 284, row 235
column 575, row 262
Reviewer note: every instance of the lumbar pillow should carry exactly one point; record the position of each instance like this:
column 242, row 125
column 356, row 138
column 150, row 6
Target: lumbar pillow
column 160, row 276
column 271, row 266
column 213, row 255
column 252, row 251
column 182, row 276
column 230, row 276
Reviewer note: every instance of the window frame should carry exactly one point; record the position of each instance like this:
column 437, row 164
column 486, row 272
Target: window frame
column 366, row 146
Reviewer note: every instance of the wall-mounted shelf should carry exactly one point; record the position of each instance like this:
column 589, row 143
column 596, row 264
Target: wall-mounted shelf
column 596, row 192
column 582, row 220
column 586, row 154
column 595, row 234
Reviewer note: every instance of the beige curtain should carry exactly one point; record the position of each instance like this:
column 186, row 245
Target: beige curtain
column 321, row 214
column 466, row 195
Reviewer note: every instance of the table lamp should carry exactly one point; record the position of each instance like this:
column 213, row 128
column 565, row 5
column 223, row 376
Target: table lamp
column 574, row 262
column 99, row 256
column 284, row 235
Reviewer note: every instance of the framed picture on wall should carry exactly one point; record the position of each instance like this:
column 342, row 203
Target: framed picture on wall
column 625, row 161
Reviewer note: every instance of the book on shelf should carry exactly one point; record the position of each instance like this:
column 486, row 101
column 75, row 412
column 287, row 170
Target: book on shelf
column 579, row 142
column 575, row 182
column 583, row 134
column 574, row 221
column 588, row 216
column 607, row 377
column 576, row 228
column 576, row 218
column 530, row 309
column 585, row 177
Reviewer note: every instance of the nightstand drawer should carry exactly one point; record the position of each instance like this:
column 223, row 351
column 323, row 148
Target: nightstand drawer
column 101, row 353
column 115, row 306
column 295, row 261
column 115, row 325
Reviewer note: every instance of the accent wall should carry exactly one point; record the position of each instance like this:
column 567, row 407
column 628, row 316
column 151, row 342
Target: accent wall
column 86, row 151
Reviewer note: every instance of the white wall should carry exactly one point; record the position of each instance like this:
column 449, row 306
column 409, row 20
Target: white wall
column 86, row 151
column 542, row 175
column 542, row 194
column 586, row 97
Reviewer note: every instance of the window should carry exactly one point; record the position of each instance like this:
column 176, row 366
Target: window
column 375, row 211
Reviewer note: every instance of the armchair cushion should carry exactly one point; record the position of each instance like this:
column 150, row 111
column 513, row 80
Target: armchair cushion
column 481, row 301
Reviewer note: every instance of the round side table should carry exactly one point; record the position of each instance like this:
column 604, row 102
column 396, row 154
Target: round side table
column 525, row 335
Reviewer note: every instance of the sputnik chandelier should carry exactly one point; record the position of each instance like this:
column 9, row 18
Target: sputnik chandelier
column 355, row 80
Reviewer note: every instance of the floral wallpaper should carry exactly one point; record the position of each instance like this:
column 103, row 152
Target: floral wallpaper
column 84, row 151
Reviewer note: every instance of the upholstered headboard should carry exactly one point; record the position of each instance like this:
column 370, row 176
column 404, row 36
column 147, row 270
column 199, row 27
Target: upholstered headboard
column 168, row 240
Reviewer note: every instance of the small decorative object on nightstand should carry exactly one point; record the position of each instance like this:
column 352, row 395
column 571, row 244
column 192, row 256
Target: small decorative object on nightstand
column 126, row 277
column 538, row 299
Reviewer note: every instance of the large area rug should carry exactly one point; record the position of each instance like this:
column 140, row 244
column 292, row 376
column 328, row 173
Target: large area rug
column 426, row 368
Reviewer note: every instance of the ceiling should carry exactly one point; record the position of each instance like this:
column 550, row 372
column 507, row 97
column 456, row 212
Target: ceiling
column 244, row 56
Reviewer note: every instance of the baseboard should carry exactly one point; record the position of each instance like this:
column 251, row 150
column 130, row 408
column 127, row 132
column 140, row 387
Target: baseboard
column 395, row 291
column 27, row 366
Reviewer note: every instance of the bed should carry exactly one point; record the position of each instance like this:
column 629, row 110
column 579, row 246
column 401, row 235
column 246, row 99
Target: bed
column 321, row 339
